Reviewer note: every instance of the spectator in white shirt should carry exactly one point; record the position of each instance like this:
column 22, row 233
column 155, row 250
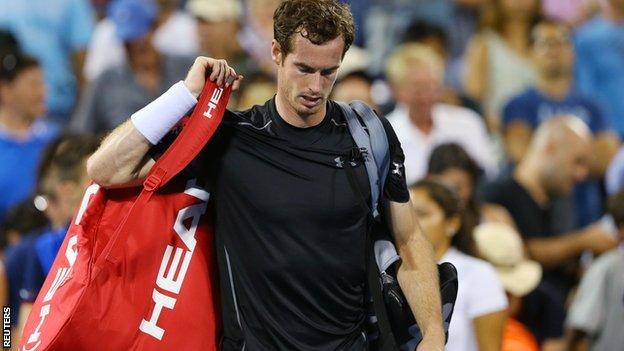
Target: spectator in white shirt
column 421, row 122
column 480, row 313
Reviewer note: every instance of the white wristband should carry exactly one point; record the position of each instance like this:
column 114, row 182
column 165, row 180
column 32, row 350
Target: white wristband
column 155, row 120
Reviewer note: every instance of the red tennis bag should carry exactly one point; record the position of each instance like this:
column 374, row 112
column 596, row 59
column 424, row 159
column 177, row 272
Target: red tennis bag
column 137, row 268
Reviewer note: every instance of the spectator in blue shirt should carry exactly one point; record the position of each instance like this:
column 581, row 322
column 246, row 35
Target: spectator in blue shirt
column 56, row 33
column 18, row 232
column 62, row 185
column 600, row 51
column 554, row 95
column 23, row 135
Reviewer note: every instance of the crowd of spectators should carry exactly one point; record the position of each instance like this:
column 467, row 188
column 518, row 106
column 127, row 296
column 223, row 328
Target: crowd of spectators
column 510, row 114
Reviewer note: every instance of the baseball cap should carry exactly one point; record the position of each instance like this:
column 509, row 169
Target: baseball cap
column 133, row 19
column 501, row 245
column 215, row 10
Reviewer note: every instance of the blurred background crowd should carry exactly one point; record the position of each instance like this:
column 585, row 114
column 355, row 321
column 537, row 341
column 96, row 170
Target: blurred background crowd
column 510, row 114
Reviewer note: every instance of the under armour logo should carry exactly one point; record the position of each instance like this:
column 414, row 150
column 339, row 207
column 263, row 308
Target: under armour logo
column 339, row 162
column 397, row 169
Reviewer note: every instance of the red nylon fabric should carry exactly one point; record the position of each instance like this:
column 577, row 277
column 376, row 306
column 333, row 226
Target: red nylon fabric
column 137, row 269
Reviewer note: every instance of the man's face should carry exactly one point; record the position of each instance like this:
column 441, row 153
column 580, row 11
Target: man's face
column 306, row 75
column 566, row 165
column 420, row 89
column 141, row 51
column 552, row 51
column 26, row 93
column 216, row 33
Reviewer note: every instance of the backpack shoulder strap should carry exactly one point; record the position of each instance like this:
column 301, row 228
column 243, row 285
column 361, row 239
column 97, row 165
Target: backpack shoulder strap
column 370, row 137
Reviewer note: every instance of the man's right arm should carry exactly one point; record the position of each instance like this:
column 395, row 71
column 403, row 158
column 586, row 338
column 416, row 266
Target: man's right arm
column 123, row 160
column 552, row 251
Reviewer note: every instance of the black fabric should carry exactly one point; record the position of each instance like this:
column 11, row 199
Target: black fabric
column 543, row 310
column 291, row 229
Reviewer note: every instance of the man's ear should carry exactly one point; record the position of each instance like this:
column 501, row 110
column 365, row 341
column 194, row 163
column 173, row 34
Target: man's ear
column 276, row 52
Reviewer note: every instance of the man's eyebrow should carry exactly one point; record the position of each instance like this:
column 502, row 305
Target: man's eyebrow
column 306, row 67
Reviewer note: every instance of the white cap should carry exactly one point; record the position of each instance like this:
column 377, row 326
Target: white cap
column 355, row 59
column 501, row 245
column 215, row 10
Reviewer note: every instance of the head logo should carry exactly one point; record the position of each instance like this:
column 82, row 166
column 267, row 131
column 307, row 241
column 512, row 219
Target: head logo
column 214, row 100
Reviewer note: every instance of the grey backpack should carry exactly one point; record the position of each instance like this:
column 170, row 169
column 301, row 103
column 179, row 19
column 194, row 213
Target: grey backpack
column 395, row 325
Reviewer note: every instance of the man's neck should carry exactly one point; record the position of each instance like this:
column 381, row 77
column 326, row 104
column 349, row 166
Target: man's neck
column 526, row 175
column 15, row 125
column 423, row 120
column 557, row 88
column 290, row 116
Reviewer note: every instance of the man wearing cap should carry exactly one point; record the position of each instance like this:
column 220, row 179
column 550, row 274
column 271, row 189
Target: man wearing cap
column 123, row 89
column 290, row 228
column 218, row 25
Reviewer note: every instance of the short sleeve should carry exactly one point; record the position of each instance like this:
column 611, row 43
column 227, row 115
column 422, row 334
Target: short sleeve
column 588, row 309
column 486, row 293
column 515, row 111
column 33, row 276
column 598, row 122
column 395, row 188
column 80, row 23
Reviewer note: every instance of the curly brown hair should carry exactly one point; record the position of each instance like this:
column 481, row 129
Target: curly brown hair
column 319, row 21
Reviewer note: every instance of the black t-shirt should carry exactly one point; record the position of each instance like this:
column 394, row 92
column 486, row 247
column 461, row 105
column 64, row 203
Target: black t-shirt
column 290, row 230
column 543, row 310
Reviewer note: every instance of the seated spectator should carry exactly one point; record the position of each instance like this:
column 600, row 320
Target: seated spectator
column 421, row 122
column 452, row 166
column 435, row 37
column 387, row 20
column 23, row 134
column 257, row 32
column 8, row 45
column 218, row 23
column 479, row 314
column 56, row 34
column 356, row 85
column 557, row 159
column 554, row 94
column 122, row 90
column 106, row 50
column 602, row 76
column 497, row 62
column 596, row 316
column 19, row 230
column 500, row 245
column 62, row 185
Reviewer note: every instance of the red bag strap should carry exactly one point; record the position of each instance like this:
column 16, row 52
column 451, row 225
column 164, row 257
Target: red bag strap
column 202, row 124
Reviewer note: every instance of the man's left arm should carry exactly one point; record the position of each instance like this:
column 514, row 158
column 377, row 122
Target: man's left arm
column 418, row 274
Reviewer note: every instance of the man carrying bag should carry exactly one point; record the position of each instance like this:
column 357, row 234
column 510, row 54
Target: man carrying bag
column 290, row 232
column 136, row 270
